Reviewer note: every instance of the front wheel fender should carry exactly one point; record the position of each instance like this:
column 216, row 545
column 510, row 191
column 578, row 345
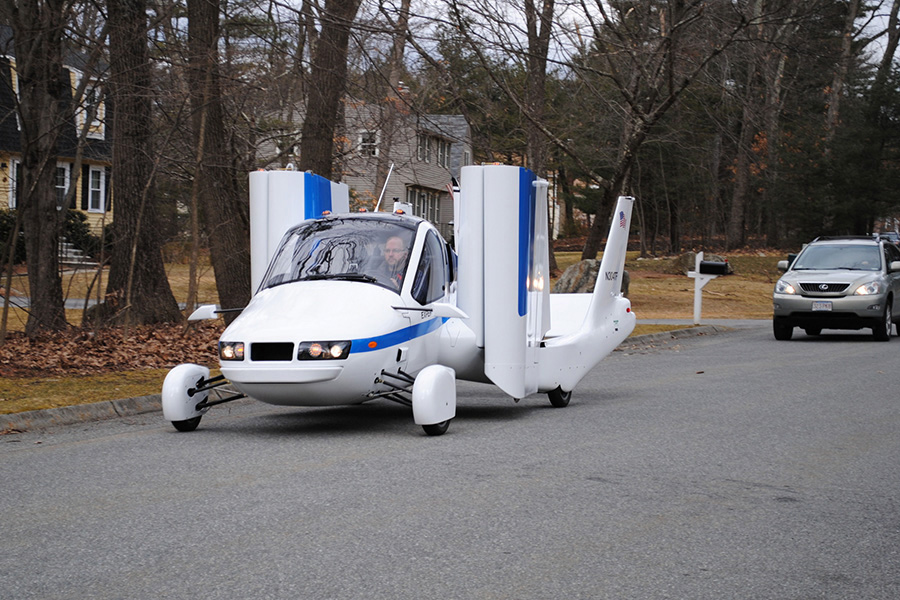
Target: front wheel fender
column 177, row 402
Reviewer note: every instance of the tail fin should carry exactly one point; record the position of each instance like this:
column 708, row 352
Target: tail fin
column 612, row 265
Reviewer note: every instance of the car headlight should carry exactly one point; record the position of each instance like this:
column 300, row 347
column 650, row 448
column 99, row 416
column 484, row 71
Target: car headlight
column 231, row 350
column 783, row 287
column 869, row 289
column 323, row 350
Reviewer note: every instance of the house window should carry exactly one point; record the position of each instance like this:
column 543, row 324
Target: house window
column 15, row 179
column 92, row 106
column 467, row 159
column 425, row 203
column 62, row 184
column 424, row 148
column 368, row 143
column 97, row 190
column 444, row 154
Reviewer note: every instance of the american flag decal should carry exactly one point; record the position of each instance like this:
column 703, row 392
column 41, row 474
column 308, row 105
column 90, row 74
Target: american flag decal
column 622, row 221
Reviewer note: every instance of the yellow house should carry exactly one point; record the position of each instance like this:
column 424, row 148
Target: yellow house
column 92, row 190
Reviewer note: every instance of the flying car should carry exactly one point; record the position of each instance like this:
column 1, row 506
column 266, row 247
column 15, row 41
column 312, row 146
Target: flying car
column 352, row 308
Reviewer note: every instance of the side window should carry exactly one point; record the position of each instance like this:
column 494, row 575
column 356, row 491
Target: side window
column 431, row 274
column 891, row 253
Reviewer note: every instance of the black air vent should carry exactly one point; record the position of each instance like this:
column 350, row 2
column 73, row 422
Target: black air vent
column 271, row 351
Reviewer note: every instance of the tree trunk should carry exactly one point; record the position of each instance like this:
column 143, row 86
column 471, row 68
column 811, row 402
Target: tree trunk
column 137, row 277
column 393, row 102
column 539, row 26
column 225, row 214
column 327, row 82
column 634, row 135
column 38, row 30
column 832, row 115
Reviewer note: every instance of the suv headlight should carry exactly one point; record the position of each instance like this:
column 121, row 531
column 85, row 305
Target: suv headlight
column 869, row 289
column 783, row 287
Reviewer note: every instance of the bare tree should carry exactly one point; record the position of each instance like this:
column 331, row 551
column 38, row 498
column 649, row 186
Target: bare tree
column 226, row 215
column 328, row 79
column 393, row 105
column 138, row 290
column 39, row 31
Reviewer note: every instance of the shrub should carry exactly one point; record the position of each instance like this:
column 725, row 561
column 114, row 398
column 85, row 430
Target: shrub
column 7, row 222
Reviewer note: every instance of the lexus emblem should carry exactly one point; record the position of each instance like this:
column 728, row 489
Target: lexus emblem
column 823, row 287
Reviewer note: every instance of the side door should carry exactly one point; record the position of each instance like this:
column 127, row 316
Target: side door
column 430, row 283
column 892, row 253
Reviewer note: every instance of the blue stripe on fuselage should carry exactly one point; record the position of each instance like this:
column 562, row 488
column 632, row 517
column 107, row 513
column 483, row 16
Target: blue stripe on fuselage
column 396, row 337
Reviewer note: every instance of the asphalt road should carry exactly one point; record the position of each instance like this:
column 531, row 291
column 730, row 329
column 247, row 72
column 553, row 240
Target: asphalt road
column 721, row 466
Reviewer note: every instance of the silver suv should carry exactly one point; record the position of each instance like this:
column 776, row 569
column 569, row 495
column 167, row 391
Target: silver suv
column 847, row 282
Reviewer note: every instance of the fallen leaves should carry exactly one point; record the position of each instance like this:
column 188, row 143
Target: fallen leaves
column 85, row 352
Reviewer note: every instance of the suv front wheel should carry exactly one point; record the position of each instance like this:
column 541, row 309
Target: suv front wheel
column 781, row 329
column 882, row 331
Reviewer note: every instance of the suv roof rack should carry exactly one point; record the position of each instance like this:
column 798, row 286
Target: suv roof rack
column 826, row 238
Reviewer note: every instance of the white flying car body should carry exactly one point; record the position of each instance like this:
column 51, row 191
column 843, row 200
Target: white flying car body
column 355, row 307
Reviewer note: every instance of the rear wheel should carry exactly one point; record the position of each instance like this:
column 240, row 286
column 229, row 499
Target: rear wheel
column 437, row 428
column 559, row 398
column 782, row 330
column 882, row 331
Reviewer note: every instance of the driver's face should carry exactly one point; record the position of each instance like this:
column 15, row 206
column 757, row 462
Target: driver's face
column 394, row 252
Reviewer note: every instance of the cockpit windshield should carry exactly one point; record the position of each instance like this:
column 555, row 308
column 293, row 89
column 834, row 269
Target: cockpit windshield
column 850, row 257
column 354, row 248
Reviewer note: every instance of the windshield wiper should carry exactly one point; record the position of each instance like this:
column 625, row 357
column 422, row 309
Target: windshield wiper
column 340, row 276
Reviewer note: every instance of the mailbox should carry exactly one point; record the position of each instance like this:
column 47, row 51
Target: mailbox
column 708, row 267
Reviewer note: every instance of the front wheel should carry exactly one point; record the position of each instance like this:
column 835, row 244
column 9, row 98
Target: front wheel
column 187, row 424
column 437, row 428
column 559, row 398
column 882, row 331
column 783, row 331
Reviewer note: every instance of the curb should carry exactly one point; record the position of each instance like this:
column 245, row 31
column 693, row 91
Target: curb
column 110, row 409
column 664, row 336
column 79, row 413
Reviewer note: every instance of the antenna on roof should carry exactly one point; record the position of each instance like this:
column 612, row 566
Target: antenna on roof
column 386, row 180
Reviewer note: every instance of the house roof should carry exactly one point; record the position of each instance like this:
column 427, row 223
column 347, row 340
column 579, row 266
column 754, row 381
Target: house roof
column 452, row 127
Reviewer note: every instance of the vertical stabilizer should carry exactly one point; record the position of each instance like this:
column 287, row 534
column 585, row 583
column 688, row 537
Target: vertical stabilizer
column 612, row 265
column 570, row 354
column 278, row 201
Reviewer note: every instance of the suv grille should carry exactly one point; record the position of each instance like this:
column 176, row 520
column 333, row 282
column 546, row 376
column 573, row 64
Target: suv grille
column 824, row 288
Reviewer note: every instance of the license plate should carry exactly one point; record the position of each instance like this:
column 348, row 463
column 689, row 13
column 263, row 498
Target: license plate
column 817, row 306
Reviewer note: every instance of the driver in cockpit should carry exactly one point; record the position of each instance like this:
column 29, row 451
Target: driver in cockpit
column 395, row 253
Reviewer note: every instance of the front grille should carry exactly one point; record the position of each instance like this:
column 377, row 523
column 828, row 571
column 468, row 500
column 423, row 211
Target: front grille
column 271, row 351
column 829, row 288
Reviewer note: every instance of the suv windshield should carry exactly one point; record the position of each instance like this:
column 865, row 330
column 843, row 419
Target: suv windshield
column 827, row 257
column 356, row 248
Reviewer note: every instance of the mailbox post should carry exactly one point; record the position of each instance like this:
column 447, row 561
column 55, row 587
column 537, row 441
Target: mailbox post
column 704, row 272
